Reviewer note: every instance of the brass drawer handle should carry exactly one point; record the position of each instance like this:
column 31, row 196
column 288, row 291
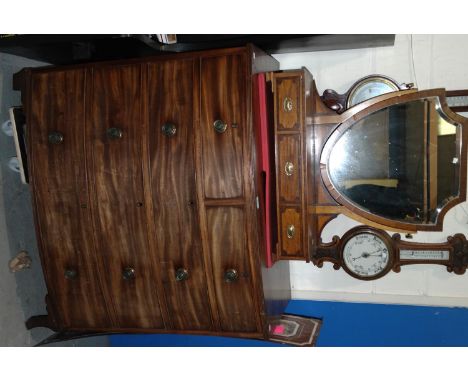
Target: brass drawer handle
column 55, row 137
column 220, row 126
column 231, row 275
column 169, row 129
column 290, row 231
column 181, row 274
column 288, row 104
column 71, row 274
column 114, row 133
column 128, row 273
column 289, row 168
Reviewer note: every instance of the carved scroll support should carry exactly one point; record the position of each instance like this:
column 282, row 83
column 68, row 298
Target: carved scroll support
column 328, row 252
column 459, row 254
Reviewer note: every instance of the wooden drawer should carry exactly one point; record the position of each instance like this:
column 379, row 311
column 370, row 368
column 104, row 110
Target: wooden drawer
column 289, row 168
column 288, row 103
column 291, row 232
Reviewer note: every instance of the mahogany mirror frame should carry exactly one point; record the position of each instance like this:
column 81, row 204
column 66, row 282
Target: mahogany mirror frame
column 352, row 115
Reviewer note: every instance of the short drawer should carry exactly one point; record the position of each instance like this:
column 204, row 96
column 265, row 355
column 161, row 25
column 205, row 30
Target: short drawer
column 288, row 103
column 289, row 168
column 291, row 232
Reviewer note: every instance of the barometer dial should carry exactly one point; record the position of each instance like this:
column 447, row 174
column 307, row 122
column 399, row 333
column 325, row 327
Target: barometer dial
column 367, row 255
column 370, row 87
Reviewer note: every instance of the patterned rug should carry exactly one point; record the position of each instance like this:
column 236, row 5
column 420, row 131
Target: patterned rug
column 294, row 330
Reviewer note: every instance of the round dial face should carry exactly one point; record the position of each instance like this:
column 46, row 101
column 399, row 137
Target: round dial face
column 366, row 255
column 369, row 88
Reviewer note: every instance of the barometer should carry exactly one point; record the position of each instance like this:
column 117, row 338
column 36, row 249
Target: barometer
column 370, row 87
column 367, row 254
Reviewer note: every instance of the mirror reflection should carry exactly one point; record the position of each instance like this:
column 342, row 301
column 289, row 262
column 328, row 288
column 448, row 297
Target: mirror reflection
column 401, row 162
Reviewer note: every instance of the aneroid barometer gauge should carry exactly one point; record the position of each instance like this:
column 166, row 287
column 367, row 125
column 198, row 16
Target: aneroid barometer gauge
column 370, row 87
column 367, row 254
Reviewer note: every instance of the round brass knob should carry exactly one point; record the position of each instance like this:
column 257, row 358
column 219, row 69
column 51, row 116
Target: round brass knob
column 71, row 274
column 128, row 273
column 114, row 133
column 181, row 274
column 220, row 126
column 287, row 104
column 231, row 275
column 169, row 129
column 55, row 137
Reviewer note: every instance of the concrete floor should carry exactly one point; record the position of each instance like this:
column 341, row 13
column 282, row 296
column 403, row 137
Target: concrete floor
column 21, row 294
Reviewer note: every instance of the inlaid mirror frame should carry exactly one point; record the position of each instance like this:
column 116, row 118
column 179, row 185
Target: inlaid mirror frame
column 354, row 114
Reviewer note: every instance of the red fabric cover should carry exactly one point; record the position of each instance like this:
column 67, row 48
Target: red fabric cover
column 263, row 154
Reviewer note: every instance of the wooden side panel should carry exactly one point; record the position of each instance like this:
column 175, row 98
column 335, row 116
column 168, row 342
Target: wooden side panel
column 288, row 103
column 61, row 200
column 172, row 164
column 289, row 149
column 228, row 248
column 119, row 205
column 222, row 90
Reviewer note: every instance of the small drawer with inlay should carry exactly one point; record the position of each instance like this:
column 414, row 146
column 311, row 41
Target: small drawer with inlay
column 290, row 232
column 289, row 168
column 288, row 103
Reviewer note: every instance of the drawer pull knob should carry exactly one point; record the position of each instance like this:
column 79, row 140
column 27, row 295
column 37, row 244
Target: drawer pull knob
column 290, row 231
column 289, row 168
column 220, row 126
column 169, row 129
column 231, row 275
column 70, row 274
column 288, row 104
column 181, row 274
column 114, row 133
column 55, row 137
column 128, row 273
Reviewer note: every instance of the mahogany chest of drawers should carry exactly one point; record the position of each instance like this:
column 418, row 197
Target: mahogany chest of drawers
column 145, row 190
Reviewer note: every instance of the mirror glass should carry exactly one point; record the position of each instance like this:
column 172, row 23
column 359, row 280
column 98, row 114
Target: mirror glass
column 401, row 162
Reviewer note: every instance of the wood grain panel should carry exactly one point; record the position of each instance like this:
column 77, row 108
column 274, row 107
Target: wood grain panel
column 64, row 228
column 119, row 205
column 291, row 246
column 228, row 250
column 174, row 196
column 57, row 105
column 290, row 186
column 61, row 201
column 288, row 88
column 223, row 93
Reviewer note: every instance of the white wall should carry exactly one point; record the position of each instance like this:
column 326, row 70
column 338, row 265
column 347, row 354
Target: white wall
column 439, row 61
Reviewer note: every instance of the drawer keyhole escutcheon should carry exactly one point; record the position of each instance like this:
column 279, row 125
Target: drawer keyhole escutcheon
column 289, row 168
column 290, row 231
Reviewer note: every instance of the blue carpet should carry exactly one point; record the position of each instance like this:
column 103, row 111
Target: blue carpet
column 345, row 324
column 358, row 324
